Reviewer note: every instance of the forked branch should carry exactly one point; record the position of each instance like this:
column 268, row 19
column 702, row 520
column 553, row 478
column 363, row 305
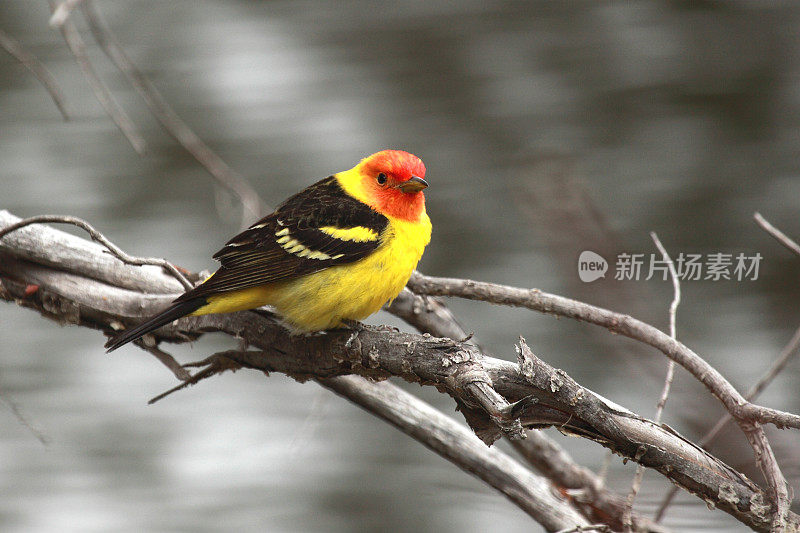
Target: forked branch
column 494, row 395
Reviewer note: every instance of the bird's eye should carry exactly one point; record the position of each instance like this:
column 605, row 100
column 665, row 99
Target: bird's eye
column 381, row 178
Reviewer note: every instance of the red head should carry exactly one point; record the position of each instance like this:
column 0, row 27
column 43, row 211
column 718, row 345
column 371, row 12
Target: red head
column 392, row 181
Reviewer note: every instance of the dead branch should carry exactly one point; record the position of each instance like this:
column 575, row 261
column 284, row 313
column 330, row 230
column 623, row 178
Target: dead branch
column 98, row 237
column 777, row 234
column 491, row 393
column 585, row 489
column 101, row 92
column 61, row 12
column 616, row 323
column 749, row 416
column 455, row 443
column 169, row 119
column 32, row 63
column 673, row 311
column 788, row 351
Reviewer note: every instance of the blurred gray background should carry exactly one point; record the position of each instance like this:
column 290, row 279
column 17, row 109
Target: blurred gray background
column 547, row 128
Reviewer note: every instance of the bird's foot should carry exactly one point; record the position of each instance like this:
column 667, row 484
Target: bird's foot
column 355, row 327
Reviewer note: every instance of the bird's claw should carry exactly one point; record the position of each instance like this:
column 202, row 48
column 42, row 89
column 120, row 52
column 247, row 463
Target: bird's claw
column 352, row 324
column 355, row 328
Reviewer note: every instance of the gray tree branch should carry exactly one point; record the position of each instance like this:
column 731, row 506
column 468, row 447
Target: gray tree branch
column 252, row 206
column 78, row 48
column 748, row 416
column 495, row 396
column 32, row 63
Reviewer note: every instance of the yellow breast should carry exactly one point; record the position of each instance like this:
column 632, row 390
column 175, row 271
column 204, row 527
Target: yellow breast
column 354, row 291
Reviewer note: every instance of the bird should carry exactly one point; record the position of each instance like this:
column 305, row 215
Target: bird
column 332, row 254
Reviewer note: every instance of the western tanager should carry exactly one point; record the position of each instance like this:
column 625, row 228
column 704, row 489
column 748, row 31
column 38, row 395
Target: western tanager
column 335, row 251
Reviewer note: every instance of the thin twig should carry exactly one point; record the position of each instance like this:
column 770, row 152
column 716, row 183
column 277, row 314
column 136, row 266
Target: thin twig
column 166, row 359
column 32, row 63
column 673, row 310
column 213, row 365
column 101, row 92
column 780, row 363
column 776, row 368
column 777, row 486
column 776, row 233
column 100, row 238
column 61, row 13
column 15, row 410
column 636, row 484
column 175, row 126
column 602, row 472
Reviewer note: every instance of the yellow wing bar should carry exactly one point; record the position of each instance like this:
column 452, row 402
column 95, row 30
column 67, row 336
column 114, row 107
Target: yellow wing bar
column 355, row 234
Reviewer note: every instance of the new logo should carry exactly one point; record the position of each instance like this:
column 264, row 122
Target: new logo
column 591, row 266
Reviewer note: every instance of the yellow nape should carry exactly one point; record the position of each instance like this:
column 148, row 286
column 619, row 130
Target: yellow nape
column 351, row 182
column 356, row 234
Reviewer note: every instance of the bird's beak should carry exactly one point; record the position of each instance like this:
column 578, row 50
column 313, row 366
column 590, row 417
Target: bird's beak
column 414, row 184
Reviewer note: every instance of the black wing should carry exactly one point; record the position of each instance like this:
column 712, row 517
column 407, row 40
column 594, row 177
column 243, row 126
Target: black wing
column 297, row 239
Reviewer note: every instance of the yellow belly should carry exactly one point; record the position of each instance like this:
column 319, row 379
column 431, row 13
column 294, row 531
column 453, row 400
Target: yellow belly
column 354, row 291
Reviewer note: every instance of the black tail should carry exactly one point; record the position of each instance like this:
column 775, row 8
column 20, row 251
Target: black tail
column 173, row 312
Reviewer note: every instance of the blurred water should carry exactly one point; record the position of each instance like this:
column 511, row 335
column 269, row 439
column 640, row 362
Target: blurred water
column 547, row 128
